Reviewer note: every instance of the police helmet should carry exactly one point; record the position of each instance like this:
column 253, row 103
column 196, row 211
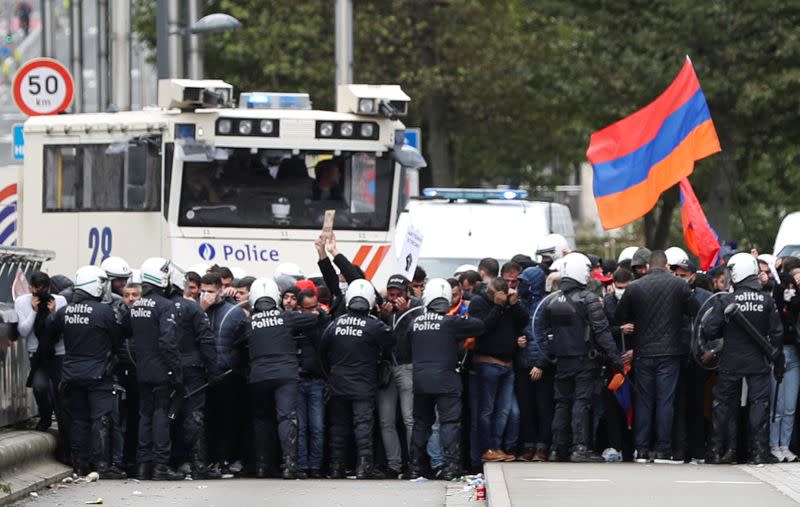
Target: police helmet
column 676, row 257
column 552, row 246
column 578, row 267
column 627, row 254
column 156, row 271
column 177, row 276
column 743, row 266
column 92, row 280
column 266, row 290
column 437, row 295
column 289, row 269
column 360, row 296
column 116, row 267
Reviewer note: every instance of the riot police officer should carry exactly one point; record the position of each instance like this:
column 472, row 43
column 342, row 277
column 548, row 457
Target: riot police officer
column 199, row 365
column 434, row 341
column 350, row 349
column 743, row 357
column 577, row 323
column 91, row 337
column 158, row 364
column 274, row 372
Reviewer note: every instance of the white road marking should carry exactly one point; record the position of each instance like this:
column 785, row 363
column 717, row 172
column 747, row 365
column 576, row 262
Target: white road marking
column 720, row 482
column 537, row 479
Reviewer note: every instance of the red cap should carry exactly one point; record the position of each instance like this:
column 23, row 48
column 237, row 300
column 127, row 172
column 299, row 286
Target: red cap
column 307, row 285
column 598, row 275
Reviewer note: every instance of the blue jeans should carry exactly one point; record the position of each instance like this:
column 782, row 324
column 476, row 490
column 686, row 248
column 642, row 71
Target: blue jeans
column 434, row 448
column 656, row 382
column 780, row 431
column 511, row 434
column 311, row 421
column 495, row 397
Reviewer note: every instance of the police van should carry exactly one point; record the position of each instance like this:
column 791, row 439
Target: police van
column 787, row 242
column 463, row 225
column 200, row 180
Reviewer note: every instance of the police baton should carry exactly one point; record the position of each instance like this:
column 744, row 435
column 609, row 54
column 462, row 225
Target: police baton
column 733, row 313
column 176, row 400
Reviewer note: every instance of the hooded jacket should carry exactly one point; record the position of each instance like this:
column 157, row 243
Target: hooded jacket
column 532, row 293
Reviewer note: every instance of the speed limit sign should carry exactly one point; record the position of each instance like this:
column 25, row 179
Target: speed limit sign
column 43, row 86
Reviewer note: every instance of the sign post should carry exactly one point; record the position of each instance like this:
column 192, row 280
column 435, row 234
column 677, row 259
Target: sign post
column 43, row 86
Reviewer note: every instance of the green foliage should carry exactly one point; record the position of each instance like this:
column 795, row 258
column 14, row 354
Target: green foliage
column 510, row 91
column 5, row 488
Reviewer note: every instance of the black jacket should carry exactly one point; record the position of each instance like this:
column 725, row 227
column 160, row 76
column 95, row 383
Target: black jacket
column 152, row 325
column 401, row 324
column 434, row 342
column 350, row 273
column 271, row 343
column 503, row 325
column 308, row 346
column 91, row 336
column 740, row 354
column 195, row 336
column 350, row 349
column 656, row 304
column 578, row 323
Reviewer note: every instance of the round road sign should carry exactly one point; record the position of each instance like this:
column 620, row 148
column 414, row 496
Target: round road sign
column 43, row 86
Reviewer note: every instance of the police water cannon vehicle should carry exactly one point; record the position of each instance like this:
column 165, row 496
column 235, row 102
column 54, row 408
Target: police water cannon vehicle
column 200, row 179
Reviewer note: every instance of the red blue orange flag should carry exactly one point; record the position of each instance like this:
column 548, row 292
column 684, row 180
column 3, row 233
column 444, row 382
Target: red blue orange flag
column 700, row 237
column 644, row 154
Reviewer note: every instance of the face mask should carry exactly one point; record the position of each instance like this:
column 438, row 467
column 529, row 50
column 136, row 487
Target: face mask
column 788, row 294
column 343, row 287
column 618, row 293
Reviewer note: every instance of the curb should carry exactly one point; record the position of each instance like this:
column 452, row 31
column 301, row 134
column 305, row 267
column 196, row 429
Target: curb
column 27, row 464
column 496, row 488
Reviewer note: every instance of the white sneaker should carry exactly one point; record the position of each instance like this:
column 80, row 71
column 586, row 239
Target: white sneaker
column 779, row 454
column 789, row 455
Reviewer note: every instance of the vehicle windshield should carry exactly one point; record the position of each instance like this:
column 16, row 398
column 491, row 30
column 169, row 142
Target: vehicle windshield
column 789, row 251
column 275, row 189
column 440, row 267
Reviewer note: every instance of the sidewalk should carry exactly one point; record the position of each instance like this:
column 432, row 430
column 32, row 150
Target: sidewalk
column 27, row 463
column 607, row 484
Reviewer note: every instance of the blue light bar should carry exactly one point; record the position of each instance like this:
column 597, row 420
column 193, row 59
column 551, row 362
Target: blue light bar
column 269, row 100
column 476, row 194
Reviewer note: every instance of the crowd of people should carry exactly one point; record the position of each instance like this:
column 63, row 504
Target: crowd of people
column 554, row 356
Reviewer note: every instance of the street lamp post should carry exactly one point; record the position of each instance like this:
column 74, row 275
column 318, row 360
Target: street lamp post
column 167, row 58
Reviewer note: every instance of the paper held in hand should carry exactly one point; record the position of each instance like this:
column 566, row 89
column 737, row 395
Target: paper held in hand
column 327, row 224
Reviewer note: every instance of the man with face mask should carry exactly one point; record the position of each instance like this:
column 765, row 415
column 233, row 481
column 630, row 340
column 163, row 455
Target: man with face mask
column 788, row 303
column 227, row 400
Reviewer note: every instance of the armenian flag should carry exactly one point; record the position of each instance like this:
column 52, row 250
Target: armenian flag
column 700, row 238
column 644, row 154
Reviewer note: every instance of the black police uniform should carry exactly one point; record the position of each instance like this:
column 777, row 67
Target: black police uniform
column 91, row 337
column 198, row 354
column 741, row 357
column 273, row 379
column 434, row 342
column 350, row 349
column 579, row 327
column 125, row 432
column 158, row 366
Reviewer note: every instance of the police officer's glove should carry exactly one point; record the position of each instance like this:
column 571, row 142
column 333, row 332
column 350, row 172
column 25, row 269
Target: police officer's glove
column 500, row 298
column 779, row 367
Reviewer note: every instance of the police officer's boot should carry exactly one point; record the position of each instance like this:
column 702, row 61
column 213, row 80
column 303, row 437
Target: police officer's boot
column 729, row 457
column 262, row 469
column 716, row 437
column 557, row 454
column 144, row 471
column 365, row 469
column 289, row 467
column 336, row 470
column 759, row 411
column 163, row 472
column 105, row 470
column 200, row 468
column 582, row 454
